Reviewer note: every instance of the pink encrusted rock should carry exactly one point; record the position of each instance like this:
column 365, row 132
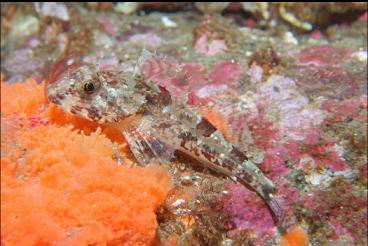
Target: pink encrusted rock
column 364, row 17
column 316, row 34
column 275, row 166
column 265, row 133
column 56, row 10
column 344, row 110
column 326, row 155
column 33, row 42
column 206, row 93
column 298, row 125
column 224, row 78
column 313, row 135
column 195, row 74
column 334, row 159
column 22, row 64
column 235, row 6
column 192, row 79
column 210, row 47
column 342, row 233
column 170, row 74
column 255, row 72
column 108, row 62
column 344, row 210
column 102, row 62
column 250, row 23
column 249, row 212
column 322, row 55
column 226, row 72
column 276, row 157
column 287, row 196
column 149, row 39
column 288, row 108
column 330, row 82
column 108, row 26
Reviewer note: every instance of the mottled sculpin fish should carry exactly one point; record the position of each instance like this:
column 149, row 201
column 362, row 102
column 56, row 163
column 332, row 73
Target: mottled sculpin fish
column 155, row 124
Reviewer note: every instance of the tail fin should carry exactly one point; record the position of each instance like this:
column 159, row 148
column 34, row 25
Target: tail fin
column 276, row 209
column 251, row 176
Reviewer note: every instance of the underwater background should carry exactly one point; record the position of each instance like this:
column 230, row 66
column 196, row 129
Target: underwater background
column 285, row 82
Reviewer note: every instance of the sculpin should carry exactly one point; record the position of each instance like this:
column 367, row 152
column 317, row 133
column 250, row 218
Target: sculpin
column 155, row 124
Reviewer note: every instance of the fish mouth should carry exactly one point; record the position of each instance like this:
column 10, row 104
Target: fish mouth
column 53, row 94
column 55, row 98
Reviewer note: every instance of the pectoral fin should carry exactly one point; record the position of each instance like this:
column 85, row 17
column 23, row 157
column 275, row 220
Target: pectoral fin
column 145, row 146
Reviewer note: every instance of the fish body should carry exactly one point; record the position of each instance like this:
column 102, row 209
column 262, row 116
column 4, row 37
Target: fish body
column 155, row 124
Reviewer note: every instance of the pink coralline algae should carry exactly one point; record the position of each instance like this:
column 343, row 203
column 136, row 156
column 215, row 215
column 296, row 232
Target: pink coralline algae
column 322, row 55
column 345, row 210
column 210, row 47
column 191, row 81
column 56, row 10
column 223, row 79
column 249, row 212
column 108, row 26
column 326, row 155
column 316, row 34
column 148, row 39
column 295, row 115
column 226, row 73
column 167, row 73
column 344, row 110
column 327, row 81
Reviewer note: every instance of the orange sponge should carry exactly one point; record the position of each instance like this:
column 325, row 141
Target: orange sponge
column 61, row 186
column 297, row 237
column 22, row 98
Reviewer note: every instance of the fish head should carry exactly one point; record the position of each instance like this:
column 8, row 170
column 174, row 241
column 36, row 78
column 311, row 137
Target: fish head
column 103, row 96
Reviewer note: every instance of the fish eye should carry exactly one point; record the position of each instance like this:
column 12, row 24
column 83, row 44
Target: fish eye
column 89, row 87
